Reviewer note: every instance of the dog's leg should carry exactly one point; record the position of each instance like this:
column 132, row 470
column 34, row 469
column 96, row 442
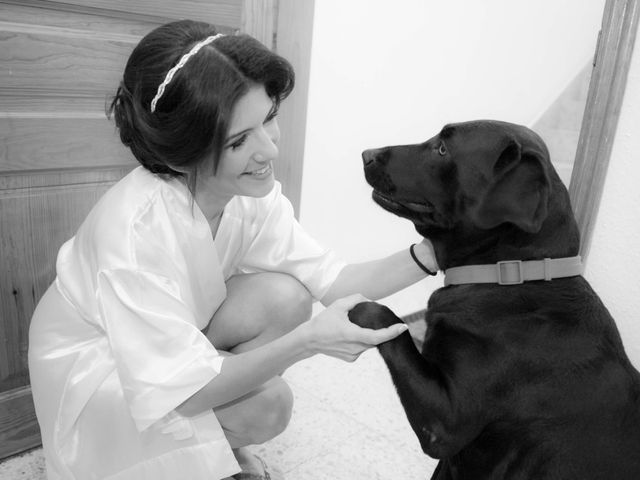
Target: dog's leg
column 436, row 416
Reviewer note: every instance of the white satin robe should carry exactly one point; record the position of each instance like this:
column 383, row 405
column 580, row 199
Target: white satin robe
column 115, row 345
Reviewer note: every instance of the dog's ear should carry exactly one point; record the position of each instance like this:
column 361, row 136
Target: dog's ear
column 518, row 192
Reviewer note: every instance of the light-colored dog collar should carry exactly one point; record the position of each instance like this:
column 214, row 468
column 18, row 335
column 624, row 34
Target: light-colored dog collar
column 515, row 272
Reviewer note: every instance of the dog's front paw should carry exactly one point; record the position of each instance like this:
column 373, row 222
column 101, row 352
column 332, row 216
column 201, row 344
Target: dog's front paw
column 372, row 315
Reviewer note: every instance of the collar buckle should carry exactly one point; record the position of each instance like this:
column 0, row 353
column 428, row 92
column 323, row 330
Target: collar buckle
column 510, row 272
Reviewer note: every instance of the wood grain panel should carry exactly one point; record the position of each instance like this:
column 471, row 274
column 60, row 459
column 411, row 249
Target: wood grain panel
column 60, row 178
column 58, row 142
column 35, row 221
column 604, row 100
column 60, row 53
column 52, row 106
column 24, row 13
column 259, row 19
column 18, row 425
column 50, row 61
column 219, row 12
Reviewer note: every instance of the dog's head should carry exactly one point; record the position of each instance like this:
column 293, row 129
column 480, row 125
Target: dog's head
column 470, row 178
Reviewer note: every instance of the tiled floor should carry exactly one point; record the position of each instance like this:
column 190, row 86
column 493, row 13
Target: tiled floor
column 347, row 424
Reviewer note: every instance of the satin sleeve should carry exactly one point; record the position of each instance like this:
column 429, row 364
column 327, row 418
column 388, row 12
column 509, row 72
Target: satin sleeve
column 161, row 356
column 279, row 243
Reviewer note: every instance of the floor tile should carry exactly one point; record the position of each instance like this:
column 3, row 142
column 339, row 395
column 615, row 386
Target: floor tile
column 26, row 466
column 347, row 424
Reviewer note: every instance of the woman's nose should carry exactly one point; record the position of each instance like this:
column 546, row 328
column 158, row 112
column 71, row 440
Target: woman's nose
column 268, row 148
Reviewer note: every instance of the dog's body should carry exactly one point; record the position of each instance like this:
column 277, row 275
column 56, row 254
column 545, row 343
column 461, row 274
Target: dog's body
column 526, row 381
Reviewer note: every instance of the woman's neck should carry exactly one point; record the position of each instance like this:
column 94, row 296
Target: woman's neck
column 210, row 203
column 212, row 207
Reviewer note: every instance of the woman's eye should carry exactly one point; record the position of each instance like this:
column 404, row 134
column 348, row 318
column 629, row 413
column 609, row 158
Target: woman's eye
column 442, row 150
column 238, row 143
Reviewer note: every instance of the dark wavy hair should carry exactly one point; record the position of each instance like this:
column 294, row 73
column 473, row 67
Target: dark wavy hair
column 191, row 119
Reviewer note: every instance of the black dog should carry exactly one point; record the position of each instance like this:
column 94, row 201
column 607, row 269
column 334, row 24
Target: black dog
column 515, row 381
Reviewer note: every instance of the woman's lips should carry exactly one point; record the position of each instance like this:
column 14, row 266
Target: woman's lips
column 261, row 172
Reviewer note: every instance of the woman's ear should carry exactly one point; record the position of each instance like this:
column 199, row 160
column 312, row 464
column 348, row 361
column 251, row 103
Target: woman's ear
column 518, row 192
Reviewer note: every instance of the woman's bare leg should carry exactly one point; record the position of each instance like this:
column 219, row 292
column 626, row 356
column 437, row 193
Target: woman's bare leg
column 258, row 309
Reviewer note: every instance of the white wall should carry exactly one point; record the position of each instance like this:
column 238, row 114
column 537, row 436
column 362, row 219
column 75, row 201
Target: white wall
column 386, row 73
column 613, row 265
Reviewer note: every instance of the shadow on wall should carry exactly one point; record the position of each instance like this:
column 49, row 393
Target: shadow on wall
column 560, row 124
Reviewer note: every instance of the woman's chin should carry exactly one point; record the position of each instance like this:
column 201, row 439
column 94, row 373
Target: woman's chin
column 260, row 187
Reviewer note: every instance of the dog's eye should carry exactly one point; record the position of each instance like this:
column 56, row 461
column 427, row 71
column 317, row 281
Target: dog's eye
column 442, row 150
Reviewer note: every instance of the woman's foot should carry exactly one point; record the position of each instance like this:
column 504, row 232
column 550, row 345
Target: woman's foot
column 253, row 467
column 248, row 462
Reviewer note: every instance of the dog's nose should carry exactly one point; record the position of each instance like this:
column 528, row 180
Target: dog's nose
column 368, row 157
column 378, row 156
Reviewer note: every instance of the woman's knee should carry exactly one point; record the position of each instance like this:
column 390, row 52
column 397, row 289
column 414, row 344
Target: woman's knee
column 259, row 308
column 275, row 414
column 258, row 417
column 288, row 302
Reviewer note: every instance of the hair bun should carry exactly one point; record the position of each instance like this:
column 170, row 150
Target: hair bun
column 122, row 111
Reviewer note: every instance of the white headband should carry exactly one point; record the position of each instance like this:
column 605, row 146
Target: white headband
column 196, row 48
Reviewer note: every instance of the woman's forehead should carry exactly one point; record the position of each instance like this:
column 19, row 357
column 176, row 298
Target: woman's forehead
column 250, row 110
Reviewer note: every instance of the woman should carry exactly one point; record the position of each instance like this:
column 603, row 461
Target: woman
column 156, row 353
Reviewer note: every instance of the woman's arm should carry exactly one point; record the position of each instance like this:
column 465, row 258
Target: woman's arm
column 379, row 278
column 330, row 332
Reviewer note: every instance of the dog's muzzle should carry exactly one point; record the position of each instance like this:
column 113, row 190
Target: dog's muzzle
column 395, row 205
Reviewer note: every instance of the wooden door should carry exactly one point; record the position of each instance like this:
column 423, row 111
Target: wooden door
column 59, row 63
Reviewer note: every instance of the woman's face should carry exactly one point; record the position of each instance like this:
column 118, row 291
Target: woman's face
column 246, row 163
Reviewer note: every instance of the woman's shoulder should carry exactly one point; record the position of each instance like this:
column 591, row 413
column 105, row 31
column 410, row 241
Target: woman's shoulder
column 126, row 201
column 139, row 208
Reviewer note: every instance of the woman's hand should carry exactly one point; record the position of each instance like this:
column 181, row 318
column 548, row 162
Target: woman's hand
column 331, row 333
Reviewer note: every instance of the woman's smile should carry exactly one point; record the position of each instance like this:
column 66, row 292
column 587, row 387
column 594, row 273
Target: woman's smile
column 260, row 173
